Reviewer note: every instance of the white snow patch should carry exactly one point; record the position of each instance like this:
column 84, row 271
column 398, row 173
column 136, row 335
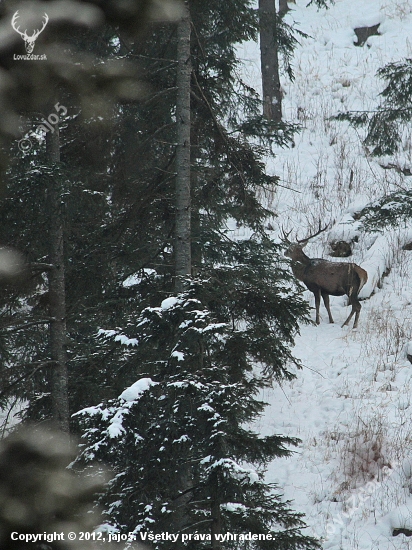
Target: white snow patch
column 125, row 341
column 118, row 337
column 137, row 278
column 169, row 302
column 134, row 391
column 180, row 356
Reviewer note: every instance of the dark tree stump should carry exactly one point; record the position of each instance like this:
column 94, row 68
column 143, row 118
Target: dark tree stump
column 363, row 33
column 402, row 531
column 341, row 249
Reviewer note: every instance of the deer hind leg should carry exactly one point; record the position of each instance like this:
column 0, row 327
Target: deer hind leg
column 356, row 308
column 325, row 297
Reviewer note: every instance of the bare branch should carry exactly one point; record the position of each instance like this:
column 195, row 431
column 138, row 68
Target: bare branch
column 40, row 365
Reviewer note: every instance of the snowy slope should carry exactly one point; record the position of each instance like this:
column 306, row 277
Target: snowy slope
column 351, row 403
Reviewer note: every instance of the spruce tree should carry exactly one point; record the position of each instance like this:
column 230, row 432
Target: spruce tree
column 385, row 125
column 189, row 412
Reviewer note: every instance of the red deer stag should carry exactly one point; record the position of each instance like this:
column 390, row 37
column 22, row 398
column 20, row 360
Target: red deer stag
column 325, row 278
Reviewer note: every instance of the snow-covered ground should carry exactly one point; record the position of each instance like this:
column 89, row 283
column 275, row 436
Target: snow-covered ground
column 351, row 403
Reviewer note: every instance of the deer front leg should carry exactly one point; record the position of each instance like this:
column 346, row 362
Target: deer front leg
column 325, row 297
column 317, row 305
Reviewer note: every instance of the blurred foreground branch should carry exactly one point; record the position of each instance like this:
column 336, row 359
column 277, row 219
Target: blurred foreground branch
column 39, row 495
column 27, row 86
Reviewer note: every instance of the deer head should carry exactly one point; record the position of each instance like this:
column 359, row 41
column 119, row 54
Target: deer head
column 29, row 41
column 295, row 248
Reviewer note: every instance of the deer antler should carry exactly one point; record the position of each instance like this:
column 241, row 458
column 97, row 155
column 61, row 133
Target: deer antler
column 36, row 33
column 17, row 29
column 318, row 232
column 286, row 235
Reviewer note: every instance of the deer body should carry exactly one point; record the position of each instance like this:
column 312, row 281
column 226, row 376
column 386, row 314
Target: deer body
column 325, row 278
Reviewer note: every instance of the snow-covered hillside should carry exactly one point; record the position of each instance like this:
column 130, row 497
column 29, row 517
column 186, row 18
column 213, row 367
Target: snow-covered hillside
column 351, row 403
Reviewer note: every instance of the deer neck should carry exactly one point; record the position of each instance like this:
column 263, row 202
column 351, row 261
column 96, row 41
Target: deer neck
column 299, row 264
column 298, row 270
column 301, row 257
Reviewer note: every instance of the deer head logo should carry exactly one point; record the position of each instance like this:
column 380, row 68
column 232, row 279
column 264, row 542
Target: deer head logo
column 29, row 41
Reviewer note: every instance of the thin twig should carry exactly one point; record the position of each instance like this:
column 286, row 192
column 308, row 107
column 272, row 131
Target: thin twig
column 40, row 364
column 25, row 325
column 6, row 420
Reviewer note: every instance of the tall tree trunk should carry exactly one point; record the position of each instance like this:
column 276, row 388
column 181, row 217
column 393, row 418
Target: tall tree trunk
column 196, row 247
column 216, row 528
column 182, row 246
column 269, row 61
column 57, row 292
column 182, row 225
